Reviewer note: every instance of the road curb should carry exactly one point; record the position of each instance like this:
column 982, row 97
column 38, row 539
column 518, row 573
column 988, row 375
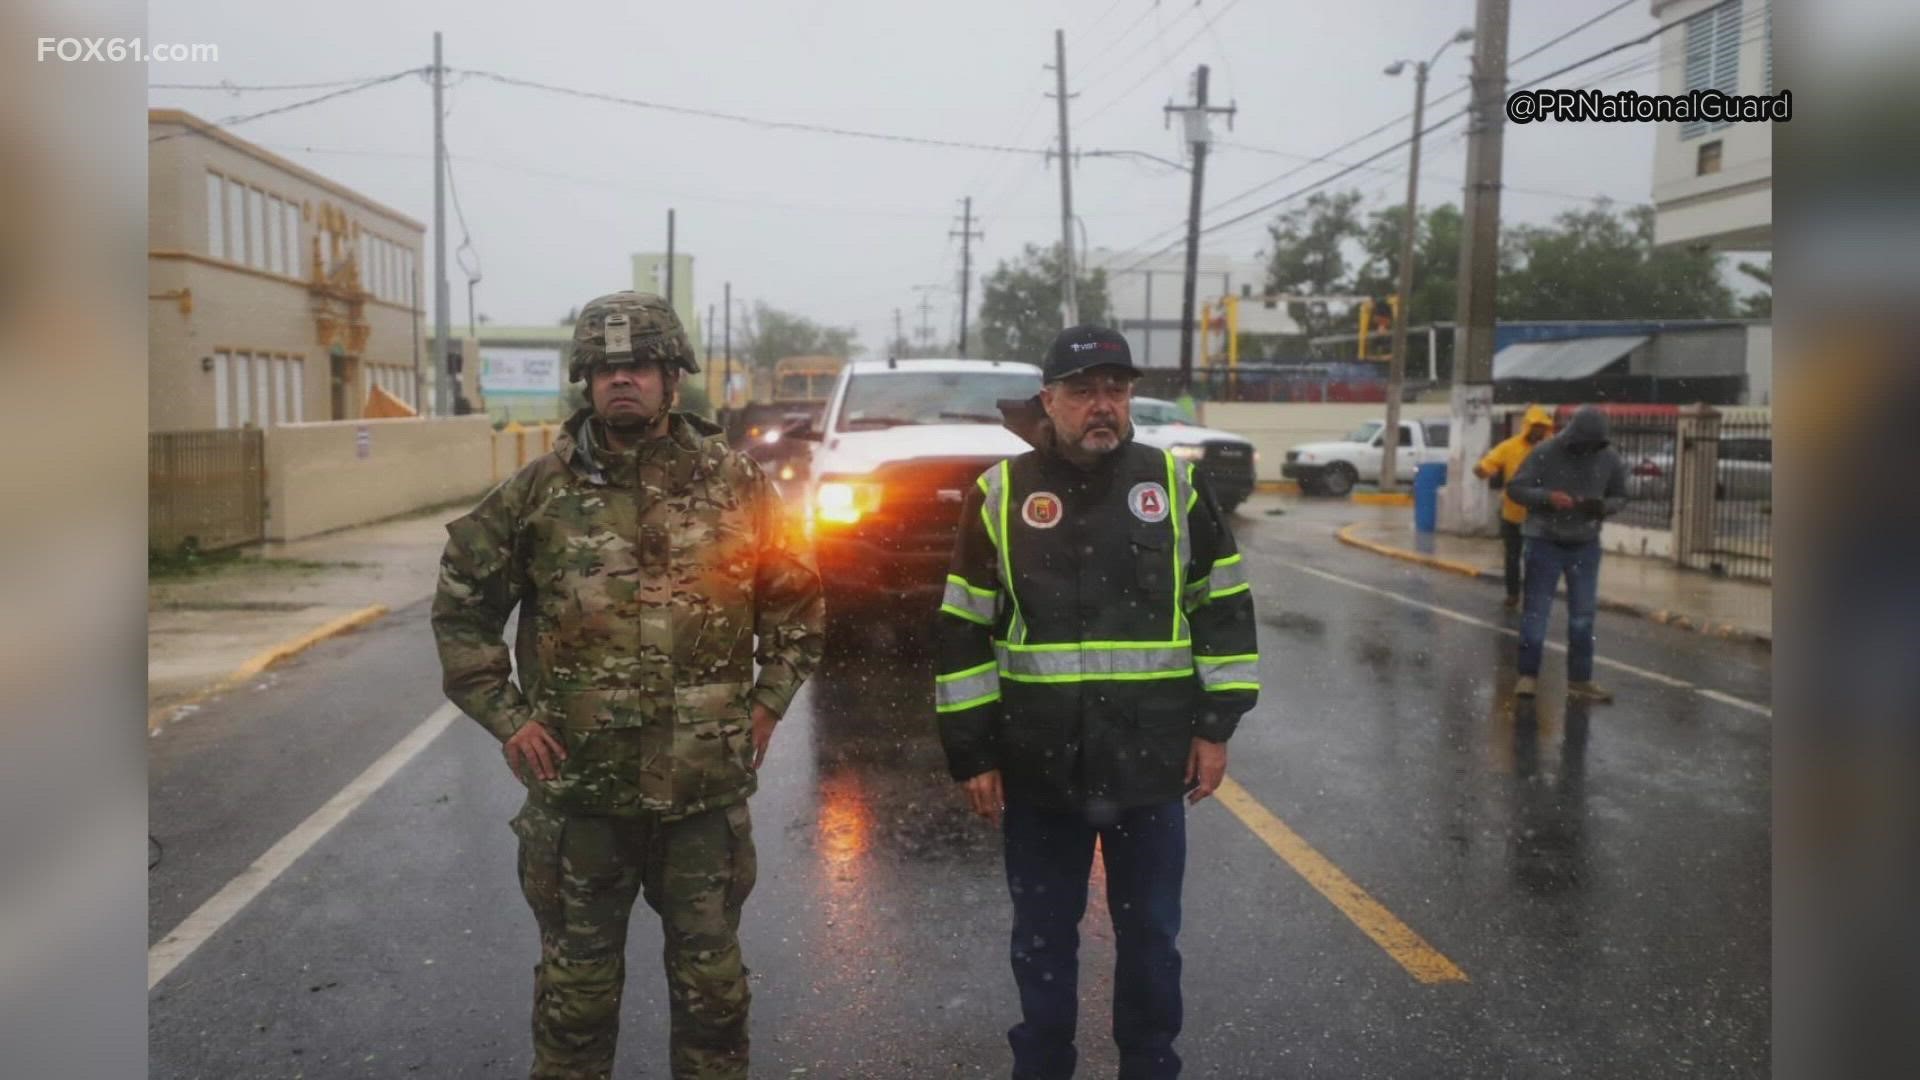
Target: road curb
column 267, row 658
column 1277, row 487
column 1723, row 631
column 1433, row 561
column 1381, row 498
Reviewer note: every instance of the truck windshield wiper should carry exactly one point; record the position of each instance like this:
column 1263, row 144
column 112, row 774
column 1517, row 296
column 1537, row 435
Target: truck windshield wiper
column 878, row 422
column 978, row 417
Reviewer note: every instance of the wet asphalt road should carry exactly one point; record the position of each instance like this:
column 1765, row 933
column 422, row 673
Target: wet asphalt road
column 1600, row 876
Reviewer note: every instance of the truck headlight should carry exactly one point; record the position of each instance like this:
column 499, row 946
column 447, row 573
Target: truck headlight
column 843, row 502
column 1188, row 452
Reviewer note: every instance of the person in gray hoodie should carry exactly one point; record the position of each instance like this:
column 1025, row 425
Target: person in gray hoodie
column 1570, row 484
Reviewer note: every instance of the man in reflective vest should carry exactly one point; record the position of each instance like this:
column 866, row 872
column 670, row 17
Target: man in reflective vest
column 1095, row 651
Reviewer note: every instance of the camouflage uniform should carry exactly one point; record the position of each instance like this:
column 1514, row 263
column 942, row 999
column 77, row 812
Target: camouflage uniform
column 643, row 578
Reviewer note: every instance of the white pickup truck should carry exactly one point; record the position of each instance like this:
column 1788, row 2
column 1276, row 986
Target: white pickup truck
column 900, row 443
column 1333, row 468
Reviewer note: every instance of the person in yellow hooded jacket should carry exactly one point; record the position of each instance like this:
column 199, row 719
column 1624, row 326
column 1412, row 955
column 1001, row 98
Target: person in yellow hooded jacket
column 1503, row 461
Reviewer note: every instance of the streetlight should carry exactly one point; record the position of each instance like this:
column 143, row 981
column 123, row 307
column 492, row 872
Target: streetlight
column 1397, row 366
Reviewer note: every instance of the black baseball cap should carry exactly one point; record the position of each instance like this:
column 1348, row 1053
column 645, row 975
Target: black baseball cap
column 1078, row 348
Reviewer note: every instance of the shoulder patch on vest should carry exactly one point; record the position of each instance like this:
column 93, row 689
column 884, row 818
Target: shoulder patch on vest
column 1148, row 501
column 1041, row 510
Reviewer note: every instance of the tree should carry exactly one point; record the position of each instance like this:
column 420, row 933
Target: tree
column 1020, row 304
column 1309, row 255
column 1758, row 305
column 1436, row 261
column 1600, row 263
column 572, row 316
column 767, row 334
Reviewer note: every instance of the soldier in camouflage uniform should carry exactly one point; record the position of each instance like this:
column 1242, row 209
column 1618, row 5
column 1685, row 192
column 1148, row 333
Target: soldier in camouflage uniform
column 646, row 559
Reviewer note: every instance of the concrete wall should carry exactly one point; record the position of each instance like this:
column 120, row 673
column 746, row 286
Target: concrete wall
column 514, row 446
column 1274, row 427
column 1685, row 353
column 318, row 480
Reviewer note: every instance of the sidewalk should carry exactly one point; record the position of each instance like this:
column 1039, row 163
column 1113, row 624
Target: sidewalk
column 1649, row 588
column 206, row 633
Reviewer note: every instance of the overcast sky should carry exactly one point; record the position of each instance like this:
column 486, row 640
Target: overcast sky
column 558, row 191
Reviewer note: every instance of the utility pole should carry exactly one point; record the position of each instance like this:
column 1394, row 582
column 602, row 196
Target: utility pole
column 442, row 395
column 726, row 348
column 899, row 335
column 1466, row 507
column 925, row 333
column 1403, row 289
column 1199, row 134
column 967, row 235
column 1069, row 302
column 671, row 305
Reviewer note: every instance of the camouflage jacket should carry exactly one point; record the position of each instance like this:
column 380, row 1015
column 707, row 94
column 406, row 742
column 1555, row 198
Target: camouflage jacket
column 643, row 578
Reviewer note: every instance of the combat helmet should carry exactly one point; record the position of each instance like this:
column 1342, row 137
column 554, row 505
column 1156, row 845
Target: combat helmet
column 637, row 326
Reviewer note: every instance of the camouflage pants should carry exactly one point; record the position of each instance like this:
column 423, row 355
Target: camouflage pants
column 580, row 875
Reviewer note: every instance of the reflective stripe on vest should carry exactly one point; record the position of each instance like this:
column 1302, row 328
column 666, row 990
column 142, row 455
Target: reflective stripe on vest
column 1181, row 491
column 966, row 602
column 1228, row 576
column 1090, row 661
column 1240, row 672
column 966, row 689
column 995, row 483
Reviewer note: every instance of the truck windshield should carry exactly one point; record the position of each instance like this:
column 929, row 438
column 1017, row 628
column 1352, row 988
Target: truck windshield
column 893, row 398
column 1365, row 432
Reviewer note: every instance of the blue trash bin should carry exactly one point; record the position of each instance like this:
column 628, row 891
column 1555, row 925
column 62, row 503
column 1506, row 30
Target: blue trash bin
column 1428, row 479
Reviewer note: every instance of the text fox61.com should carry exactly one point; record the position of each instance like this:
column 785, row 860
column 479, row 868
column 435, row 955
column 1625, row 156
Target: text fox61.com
column 120, row 50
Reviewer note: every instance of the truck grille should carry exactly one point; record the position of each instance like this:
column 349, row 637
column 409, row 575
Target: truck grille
column 920, row 504
column 1228, row 464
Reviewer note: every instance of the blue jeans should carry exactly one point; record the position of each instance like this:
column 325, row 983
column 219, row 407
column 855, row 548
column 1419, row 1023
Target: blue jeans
column 1049, row 855
column 1546, row 562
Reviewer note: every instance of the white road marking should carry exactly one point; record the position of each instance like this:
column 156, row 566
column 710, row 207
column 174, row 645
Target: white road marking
column 1653, row 676
column 206, row 920
column 1738, row 703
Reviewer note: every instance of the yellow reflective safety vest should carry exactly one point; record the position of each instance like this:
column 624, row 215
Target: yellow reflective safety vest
column 1095, row 622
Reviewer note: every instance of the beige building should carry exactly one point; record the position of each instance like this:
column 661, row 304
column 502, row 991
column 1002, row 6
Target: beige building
column 1713, row 182
column 274, row 294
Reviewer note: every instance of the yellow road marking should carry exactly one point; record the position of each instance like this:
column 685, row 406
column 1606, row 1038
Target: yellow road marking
column 1408, row 949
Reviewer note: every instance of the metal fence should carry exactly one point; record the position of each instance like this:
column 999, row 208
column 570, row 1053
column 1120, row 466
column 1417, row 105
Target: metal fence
column 1645, row 441
column 206, row 489
column 1739, row 542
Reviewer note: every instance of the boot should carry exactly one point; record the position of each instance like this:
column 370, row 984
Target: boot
column 1526, row 686
column 1590, row 691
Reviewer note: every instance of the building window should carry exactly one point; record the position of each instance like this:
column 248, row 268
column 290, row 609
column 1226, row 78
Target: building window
column 216, row 219
column 1712, row 57
column 236, row 222
column 1709, row 159
column 262, row 401
column 221, row 416
column 242, row 395
column 270, row 228
column 291, row 216
column 256, row 229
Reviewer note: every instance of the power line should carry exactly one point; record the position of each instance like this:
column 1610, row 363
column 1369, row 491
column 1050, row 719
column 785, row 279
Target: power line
column 234, row 88
column 1349, row 169
column 752, row 121
column 1121, row 63
column 1152, row 6
column 1551, row 42
column 1161, row 66
column 236, row 121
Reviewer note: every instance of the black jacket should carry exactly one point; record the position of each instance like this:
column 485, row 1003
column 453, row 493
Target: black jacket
column 1127, row 631
column 1580, row 462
